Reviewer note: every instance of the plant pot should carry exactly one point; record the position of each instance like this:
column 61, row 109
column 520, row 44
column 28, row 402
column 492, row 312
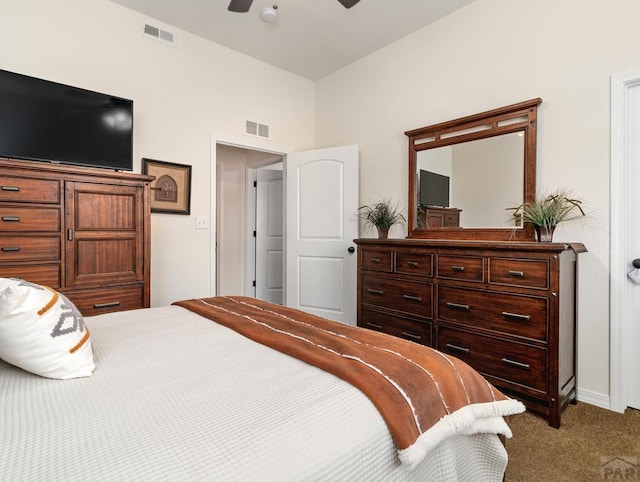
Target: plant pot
column 383, row 233
column 544, row 233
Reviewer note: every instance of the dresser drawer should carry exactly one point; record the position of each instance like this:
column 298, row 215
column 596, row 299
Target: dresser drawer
column 96, row 302
column 29, row 248
column 377, row 260
column 45, row 274
column 419, row 332
column 512, row 362
column 464, row 268
column 407, row 296
column 519, row 272
column 519, row 315
column 415, row 264
column 19, row 219
column 22, row 189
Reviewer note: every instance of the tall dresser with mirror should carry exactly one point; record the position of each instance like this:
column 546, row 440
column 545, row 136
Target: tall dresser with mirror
column 482, row 290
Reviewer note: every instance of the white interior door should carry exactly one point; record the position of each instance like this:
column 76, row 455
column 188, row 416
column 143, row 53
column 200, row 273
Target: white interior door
column 633, row 248
column 625, row 241
column 269, row 235
column 321, row 223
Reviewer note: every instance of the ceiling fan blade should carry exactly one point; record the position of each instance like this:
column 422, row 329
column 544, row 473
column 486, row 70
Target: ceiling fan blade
column 240, row 6
column 348, row 3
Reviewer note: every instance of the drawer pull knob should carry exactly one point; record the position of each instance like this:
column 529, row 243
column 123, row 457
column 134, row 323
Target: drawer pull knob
column 457, row 268
column 412, row 264
column 7, row 249
column 11, row 219
column 375, row 260
column 413, row 298
column 519, row 274
column 375, row 292
column 458, row 306
column 112, row 304
column 516, row 316
column 524, row 366
column 373, row 325
column 411, row 336
column 458, row 348
column 11, row 188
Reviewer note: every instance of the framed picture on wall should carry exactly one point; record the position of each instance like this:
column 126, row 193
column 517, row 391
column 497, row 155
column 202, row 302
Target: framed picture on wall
column 171, row 190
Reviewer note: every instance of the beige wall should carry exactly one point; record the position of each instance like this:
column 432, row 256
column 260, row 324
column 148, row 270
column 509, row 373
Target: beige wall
column 181, row 95
column 486, row 55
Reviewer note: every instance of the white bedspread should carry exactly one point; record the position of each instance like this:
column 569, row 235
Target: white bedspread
column 177, row 397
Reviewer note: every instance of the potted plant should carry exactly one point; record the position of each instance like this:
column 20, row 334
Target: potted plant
column 548, row 210
column 382, row 214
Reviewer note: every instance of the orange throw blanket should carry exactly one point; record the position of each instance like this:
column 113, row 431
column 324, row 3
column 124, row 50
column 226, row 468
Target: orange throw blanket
column 423, row 395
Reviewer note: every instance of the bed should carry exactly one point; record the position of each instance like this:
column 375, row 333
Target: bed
column 175, row 395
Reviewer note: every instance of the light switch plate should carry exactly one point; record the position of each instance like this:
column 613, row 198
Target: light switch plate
column 201, row 222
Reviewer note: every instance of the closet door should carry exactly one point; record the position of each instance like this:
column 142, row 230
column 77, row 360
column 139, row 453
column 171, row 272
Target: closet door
column 104, row 235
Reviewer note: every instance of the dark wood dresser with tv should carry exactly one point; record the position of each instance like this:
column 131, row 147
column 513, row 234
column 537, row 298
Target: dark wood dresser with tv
column 434, row 217
column 82, row 231
column 507, row 309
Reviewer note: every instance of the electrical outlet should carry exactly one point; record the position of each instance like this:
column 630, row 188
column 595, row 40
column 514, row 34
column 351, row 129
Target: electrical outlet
column 201, row 222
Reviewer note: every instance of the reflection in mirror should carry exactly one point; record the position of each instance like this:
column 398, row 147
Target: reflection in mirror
column 465, row 175
column 477, row 181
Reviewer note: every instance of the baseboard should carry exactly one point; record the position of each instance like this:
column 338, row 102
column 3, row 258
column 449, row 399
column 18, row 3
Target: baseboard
column 593, row 398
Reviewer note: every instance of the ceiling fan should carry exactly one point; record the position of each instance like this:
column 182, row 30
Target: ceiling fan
column 244, row 5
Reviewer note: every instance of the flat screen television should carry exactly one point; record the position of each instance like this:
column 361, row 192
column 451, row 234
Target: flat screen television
column 46, row 121
column 434, row 189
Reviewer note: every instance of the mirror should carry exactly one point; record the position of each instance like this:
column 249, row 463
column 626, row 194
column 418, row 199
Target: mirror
column 465, row 174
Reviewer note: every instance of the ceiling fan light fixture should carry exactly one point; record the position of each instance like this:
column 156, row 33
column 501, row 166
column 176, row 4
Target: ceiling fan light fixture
column 270, row 14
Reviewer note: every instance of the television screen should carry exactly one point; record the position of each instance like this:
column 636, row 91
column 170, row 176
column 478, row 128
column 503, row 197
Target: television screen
column 434, row 189
column 47, row 121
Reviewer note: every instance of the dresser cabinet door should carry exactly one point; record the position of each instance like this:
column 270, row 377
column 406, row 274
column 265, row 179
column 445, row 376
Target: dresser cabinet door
column 104, row 234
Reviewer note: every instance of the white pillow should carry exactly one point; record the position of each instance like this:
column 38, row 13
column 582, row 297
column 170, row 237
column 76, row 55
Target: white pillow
column 42, row 332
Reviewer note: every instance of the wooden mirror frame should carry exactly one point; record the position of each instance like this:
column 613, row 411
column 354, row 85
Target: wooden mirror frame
column 521, row 117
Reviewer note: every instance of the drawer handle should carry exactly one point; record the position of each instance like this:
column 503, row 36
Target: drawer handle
column 458, row 348
column 457, row 268
column 13, row 219
column 413, row 298
column 458, row 306
column 7, row 249
column 519, row 274
column 516, row 316
column 412, row 264
column 524, row 366
column 411, row 336
column 11, row 188
column 375, row 260
column 373, row 325
column 112, row 304
column 375, row 292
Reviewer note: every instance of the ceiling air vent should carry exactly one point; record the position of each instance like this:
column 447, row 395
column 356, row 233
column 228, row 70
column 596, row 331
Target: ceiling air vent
column 256, row 129
column 158, row 33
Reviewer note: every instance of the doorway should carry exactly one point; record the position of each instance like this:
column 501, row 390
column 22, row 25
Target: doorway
column 625, row 241
column 247, row 259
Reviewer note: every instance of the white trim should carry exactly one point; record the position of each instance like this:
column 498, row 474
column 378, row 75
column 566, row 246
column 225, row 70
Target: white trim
column 242, row 143
column 593, row 398
column 618, row 315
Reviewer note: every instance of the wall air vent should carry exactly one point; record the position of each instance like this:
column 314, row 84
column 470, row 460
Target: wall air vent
column 158, row 34
column 253, row 128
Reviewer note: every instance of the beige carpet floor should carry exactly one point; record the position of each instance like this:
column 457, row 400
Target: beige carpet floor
column 591, row 444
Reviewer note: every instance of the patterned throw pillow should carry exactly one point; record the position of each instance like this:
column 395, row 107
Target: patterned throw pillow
column 42, row 332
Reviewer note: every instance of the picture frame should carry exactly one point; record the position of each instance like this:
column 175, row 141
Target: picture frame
column 171, row 189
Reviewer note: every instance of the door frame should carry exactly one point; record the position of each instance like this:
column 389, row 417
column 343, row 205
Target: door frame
column 242, row 143
column 619, row 316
